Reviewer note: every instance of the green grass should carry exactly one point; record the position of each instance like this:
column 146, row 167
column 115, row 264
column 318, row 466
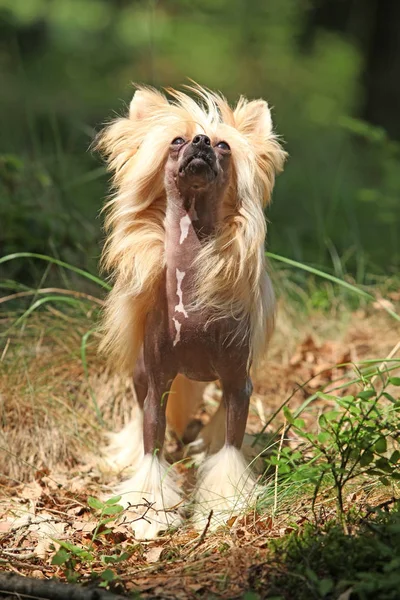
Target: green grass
column 354, row 445
column 322, row 561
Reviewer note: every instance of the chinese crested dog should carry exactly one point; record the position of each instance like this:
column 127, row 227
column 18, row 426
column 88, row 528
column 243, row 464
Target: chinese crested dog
column 192, row 301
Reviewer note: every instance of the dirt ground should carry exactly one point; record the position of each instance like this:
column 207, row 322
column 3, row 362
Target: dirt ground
column 51, row 434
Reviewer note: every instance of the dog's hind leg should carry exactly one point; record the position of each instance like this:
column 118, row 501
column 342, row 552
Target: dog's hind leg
column 225, row 482
column 124, row 451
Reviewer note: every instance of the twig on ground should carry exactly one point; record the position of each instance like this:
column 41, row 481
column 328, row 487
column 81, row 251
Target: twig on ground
column 202, row 536
column 382, row 505
column 277, row 469
column 19, row 555
column 49, row 589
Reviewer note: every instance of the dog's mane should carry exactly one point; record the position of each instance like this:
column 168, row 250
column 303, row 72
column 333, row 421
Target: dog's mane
column 232, row 278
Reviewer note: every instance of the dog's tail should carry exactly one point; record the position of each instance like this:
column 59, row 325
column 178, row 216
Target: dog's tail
column 184, row 400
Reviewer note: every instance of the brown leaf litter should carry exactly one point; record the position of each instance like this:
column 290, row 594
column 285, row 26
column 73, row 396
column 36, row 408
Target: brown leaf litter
column 51, row 432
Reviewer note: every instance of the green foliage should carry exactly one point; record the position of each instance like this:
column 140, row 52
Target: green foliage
column 358, row 437
column 324, row 562
column 67, row 65
column 74, row 558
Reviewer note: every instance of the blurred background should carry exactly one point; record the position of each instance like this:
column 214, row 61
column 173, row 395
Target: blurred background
column 329, row 68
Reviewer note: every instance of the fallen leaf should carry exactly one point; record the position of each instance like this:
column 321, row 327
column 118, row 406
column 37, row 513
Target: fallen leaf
column 37, row 574
column 85, row 526
column 153, row 554
column 6, row 526
column 31, row 491
column 43, row 530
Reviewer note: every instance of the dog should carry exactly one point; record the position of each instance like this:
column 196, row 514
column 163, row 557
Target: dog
column 192, row 301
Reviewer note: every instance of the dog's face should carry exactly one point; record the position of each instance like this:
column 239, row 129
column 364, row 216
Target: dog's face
column 183, row 146
column 198, row 163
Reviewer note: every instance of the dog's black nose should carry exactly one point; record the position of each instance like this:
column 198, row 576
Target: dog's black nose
column 201, row 140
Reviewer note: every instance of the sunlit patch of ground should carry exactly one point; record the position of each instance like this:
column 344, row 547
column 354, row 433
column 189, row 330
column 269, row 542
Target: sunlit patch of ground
column 56, row 408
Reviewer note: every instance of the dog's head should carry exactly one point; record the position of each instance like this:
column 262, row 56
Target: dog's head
column 189, row 146
column 197, row 164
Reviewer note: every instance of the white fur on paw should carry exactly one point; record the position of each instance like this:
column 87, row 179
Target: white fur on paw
column 125, row 448
column 225, row 485
column 152, row 498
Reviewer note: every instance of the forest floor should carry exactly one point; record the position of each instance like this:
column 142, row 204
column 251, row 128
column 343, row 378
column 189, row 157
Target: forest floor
column 58, row 400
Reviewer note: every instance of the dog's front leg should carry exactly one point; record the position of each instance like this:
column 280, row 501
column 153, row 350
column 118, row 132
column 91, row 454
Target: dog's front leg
column 226, row 483
column 152, row 494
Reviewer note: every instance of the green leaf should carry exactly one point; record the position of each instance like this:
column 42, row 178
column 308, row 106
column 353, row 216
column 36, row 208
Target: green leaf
column 331, row 415
column 81, row 553
column 366, row 458
column 380, row 445
column 347, row 399
column 328, row 397
column 384, row 480
column 284, row 468
column 366, row 394
column 114, row 558
column 95, row 503
column 311, row 575
column 324, row 437
column 106, row 521
column 112, row 501
column 394, row 381
column 288, row 415
column 60, row 557
column 325, row 586
column 113, row 510
column 389, row 397
column 395, row 457
column 108, row 575
column 383, row 464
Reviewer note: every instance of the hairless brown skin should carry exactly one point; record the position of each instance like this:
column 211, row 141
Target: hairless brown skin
column 178, row 338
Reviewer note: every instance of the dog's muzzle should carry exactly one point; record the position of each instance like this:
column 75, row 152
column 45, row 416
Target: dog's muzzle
column 199, row 160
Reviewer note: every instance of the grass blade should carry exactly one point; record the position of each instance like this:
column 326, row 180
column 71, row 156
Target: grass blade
column 318, row 273
column 60, row 263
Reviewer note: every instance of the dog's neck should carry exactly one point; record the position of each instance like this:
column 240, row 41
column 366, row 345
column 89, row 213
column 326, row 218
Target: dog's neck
column 190, row 219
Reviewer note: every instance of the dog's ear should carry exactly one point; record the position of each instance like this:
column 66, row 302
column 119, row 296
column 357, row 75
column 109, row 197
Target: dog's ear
column 253, row 118
column 145, row 103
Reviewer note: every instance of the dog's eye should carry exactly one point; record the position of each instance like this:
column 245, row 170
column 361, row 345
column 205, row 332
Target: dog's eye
column 178, row 141
column 223, row 146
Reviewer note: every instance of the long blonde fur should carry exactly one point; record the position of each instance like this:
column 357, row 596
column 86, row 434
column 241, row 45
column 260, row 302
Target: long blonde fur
column 232, row 278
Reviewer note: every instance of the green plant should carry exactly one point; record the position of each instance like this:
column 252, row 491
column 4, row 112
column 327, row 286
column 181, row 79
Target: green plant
column 71, row 555
column 357, row 437
column 323, row 562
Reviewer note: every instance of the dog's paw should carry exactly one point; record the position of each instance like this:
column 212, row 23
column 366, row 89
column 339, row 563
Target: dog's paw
column 226, row 488
column 148, row 523
column 152, row 498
